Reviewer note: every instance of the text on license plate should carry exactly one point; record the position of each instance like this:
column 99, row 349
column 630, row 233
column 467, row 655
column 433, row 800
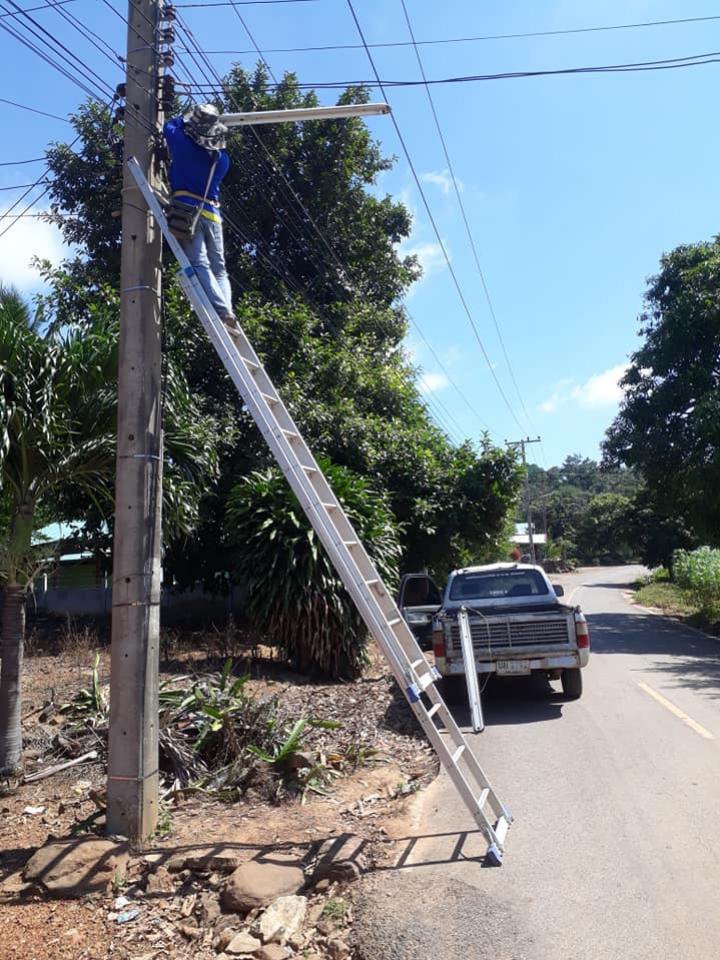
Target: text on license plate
column 513, row 666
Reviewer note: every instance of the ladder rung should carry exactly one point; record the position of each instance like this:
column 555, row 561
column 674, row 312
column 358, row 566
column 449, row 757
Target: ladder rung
column 250, row 364
column 433, row 710
column 483, row 797
column 458, row 753
column 350, row 543
column 425, row 680
column 310, row 469
column 394, row 623
column 416, row 663
column 271, row 401
column 330, row 506
column 291, row 434
column 372, row 583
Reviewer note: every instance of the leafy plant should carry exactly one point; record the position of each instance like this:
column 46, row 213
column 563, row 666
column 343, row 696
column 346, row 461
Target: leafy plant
column 89, row 705
column 296, row 600
column 698, row 571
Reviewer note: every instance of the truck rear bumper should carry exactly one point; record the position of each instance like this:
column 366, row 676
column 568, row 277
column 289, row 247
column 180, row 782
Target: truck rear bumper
column 552, row 662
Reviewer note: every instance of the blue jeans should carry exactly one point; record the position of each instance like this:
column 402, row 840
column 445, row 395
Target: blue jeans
column 207, row 255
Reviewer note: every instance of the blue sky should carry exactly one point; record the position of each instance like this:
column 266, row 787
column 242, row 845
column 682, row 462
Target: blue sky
column 574, row 185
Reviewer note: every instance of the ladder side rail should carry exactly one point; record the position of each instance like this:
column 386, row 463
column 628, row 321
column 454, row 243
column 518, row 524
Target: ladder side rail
column 397, row 649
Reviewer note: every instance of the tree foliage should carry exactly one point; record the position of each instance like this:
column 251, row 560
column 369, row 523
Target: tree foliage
column 668, row 426
column 295, row 599
column 318, row 280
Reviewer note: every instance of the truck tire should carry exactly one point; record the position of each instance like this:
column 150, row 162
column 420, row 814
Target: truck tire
column 572, row 683
column 453, row 690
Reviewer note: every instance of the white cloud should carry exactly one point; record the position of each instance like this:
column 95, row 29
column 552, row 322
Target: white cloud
column 556, row 398
column 602, row 389
column 28, row 237
column 598, row 392
column 430, row 256
column 432, row 382
column 442, row 179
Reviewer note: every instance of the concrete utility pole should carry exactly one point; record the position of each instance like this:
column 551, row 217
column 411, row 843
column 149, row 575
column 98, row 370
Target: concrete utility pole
column 133, row 748
column 528, row 511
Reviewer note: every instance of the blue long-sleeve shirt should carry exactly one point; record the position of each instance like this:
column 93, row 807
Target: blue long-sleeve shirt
column 190, row 168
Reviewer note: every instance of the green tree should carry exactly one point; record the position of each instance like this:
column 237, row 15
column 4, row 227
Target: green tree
column 55, row 428
column 57, row 450
column 604, row 530
column 295, row 599
column 668, row 426
column 324, row 314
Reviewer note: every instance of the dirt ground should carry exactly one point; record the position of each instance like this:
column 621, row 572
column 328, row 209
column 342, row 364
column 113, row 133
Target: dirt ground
column 365, row 807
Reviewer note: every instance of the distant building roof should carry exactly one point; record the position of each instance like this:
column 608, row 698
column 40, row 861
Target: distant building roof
column 522, row 537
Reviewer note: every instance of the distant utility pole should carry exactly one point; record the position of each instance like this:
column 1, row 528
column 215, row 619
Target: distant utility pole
column 528, row 511
column 132, row 808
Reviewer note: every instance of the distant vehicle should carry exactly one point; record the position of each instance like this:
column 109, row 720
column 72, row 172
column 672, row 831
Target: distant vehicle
column 517, row 623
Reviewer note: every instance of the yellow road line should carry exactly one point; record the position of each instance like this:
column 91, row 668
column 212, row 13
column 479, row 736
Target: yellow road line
column 680, row 714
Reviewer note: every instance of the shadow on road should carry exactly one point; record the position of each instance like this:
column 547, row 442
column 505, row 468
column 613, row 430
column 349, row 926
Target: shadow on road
column 508, row 701
column 690, row 658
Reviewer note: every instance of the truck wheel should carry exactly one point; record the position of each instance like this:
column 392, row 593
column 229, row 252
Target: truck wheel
column 572, row 683
column 453, row 690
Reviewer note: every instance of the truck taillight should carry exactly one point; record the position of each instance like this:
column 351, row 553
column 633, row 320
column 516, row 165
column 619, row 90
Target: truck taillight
column 438, row 639
column 582, row 632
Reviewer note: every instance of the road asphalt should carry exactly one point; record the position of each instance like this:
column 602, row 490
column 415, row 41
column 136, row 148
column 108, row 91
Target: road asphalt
column 615, row 849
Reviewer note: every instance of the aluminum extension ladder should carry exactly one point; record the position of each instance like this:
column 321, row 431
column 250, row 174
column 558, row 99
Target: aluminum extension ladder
column 413, row 673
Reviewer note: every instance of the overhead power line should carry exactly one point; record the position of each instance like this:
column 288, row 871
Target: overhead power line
column 641, row 66
column 42, row 6
column 239, row 3
column 463, row 212
column 473, row 39
column 42, row 113
column 18, row 163
column 436, row 231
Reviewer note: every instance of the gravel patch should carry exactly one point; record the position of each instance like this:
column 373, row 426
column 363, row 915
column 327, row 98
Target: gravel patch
column 404, row 916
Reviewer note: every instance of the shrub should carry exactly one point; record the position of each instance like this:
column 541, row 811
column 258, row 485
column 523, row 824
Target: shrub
column 698, row 571
column 296, row 601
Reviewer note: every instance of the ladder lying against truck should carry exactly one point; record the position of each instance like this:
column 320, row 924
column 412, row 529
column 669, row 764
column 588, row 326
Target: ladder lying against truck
column 415, row 676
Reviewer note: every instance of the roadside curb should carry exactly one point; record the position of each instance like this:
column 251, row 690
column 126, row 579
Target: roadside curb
column 657, row 612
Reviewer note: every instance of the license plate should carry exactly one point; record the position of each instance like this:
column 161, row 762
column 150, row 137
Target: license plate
column 513, row 666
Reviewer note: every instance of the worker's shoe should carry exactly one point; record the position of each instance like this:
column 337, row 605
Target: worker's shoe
column 231, row 323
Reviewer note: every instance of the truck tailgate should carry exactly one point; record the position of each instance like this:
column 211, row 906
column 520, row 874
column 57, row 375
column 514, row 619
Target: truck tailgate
column 518, row 633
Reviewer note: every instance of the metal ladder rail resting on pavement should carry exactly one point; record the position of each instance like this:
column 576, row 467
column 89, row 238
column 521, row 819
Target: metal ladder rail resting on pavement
column 415, row 676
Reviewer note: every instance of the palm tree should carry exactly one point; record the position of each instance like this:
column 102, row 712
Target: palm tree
column 57, row 408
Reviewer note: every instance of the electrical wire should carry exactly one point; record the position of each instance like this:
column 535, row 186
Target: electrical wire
column 42, row 113
column 78, row 66
column 461, row 205
column 241, row 3
column 17, row 163
column 472, row 39
column 103, row 47
column 42, row 6
column 438, row 236
column 640, row 66
column 22, row 186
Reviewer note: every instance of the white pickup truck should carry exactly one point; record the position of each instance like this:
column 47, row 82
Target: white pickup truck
column 517, row 622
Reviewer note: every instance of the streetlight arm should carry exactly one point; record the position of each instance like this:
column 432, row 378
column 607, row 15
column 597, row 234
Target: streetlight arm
column 308, row 113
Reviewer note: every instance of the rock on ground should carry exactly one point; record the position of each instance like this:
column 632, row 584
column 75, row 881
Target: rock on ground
column 76, row 867
column 242, row 943
column 283, row 918
column 256, row 884
column 402, row 916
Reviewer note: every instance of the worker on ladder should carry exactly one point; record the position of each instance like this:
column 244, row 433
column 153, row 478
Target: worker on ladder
column 198, row 162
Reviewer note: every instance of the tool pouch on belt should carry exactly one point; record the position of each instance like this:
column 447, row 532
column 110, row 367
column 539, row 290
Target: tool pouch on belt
column 182, row 219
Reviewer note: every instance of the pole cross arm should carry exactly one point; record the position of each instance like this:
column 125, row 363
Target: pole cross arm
column 307, row 113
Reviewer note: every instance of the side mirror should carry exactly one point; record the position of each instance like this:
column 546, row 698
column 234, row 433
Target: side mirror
column 559, row 591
